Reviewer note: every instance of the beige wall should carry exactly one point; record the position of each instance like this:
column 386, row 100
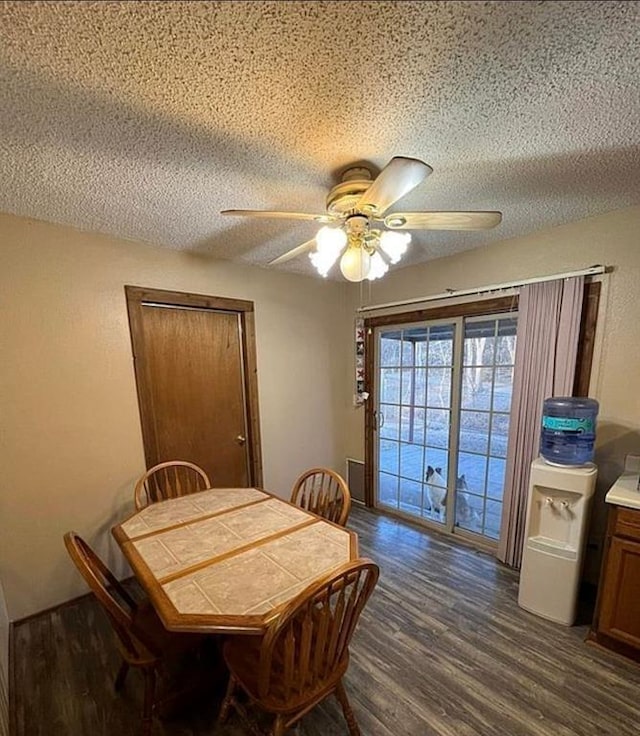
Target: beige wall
column 612, row 239
column 71, row 447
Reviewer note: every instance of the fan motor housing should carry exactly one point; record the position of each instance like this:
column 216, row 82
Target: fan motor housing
column 344, row 197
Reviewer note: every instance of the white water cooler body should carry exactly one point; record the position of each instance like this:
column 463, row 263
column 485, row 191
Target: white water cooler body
column 555, row 536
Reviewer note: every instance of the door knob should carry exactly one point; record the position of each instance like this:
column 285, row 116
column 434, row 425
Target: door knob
column 241, row 439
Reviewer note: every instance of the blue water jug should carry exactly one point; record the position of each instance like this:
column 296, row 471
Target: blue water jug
column 568, row 430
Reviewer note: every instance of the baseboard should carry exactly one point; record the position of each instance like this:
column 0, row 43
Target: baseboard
column 60, row 606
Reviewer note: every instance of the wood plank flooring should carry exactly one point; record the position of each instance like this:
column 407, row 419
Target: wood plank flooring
column 442, row 650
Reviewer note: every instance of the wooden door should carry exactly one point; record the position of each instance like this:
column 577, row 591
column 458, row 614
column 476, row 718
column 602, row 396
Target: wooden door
column 195, row 373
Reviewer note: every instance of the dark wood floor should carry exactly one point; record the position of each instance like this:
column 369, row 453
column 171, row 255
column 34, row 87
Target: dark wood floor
column 442, row 650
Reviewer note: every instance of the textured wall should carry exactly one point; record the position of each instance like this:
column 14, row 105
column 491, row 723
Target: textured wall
column 72, row 447
column 610, row 239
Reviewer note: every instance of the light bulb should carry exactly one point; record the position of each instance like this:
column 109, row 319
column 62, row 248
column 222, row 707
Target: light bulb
column 331, row 239
column 394, row 244
column 323, row 261
column 378, row 267
column 355, row 263
column 329, row 242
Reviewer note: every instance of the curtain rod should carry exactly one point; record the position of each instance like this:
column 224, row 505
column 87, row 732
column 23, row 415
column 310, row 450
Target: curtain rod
column 591, row 271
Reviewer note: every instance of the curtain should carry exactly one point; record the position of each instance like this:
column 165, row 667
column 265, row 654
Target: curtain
column 549, row 317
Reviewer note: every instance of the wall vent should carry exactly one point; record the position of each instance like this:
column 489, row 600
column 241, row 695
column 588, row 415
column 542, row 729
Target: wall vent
column 355, row 479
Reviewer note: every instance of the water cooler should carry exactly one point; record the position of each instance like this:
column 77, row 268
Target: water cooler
column 555, row 535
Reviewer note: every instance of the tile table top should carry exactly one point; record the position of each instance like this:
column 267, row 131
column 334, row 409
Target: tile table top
column 228, row 559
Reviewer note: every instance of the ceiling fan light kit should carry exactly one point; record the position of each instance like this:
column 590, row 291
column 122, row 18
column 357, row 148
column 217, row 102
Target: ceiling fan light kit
column 353, row 224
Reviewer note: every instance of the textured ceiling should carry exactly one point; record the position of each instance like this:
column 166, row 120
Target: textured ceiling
column 145, row 119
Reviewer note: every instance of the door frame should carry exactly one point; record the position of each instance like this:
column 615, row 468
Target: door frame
column 137, row 296
column 488, row 307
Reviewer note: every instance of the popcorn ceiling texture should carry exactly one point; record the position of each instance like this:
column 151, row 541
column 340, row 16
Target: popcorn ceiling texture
column 145, row 119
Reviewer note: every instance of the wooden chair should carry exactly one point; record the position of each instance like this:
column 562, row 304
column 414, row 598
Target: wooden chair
column 323, row 492
column 141, row 638
column 304, row 655
column 169, row 480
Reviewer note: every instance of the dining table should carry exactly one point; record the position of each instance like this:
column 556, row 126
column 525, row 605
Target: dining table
column 228, row 560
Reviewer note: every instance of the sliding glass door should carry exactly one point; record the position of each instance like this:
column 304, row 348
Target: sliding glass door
column 443, row 393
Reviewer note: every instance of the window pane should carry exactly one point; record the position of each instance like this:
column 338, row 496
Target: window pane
column 476, row 388
column 422, row 350
column 419, row 337
column 474, row 431
column 502, row 389
column 499, row 434
column 390, row 348
column 495, row 481
column 389, row 456
column 418, row 427
column 407, row 351
column 411, row 457
column 492, row 519
column 479, row 342
column 405, row 423
column 506, row 342
column 435, row 492
column 388, row 489
column 407, row 385
column 389, row 421
column 438, row 461
column 410, row 496
column 439, row 387
column 471, row 472
column 437, row 430
column 441, row 345
column 469, row 511
column 390, row 385
column 421, row 386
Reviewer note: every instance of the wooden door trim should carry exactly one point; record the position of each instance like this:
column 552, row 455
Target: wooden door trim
column 136, row 296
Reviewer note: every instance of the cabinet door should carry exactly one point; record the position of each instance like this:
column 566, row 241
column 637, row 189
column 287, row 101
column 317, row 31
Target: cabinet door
column 620, row 608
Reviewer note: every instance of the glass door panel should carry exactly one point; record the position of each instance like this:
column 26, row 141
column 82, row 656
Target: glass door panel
column 487, row 378
column 415, row 366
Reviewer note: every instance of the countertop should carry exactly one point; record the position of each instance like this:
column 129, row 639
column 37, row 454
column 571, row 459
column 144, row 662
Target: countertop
column 624, row 492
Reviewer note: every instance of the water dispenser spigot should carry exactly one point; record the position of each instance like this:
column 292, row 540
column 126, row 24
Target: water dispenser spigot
column 549, row 501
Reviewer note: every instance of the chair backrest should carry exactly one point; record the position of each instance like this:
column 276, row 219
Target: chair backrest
column 323, row 492
column 169, row 480
column 117, row 603
column 308, row 645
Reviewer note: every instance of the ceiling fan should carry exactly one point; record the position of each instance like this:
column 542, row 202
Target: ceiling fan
column 356, row 228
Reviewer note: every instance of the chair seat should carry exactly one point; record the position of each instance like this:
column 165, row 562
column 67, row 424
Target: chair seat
column 242, row 655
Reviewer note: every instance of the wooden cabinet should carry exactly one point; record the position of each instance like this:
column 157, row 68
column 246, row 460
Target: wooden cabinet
column 616, row 623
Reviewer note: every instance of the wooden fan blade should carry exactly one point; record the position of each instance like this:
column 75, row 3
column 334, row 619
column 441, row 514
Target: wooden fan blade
column 280, row 215
column 442, row 220
column 297, row 251
column 397, row 178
